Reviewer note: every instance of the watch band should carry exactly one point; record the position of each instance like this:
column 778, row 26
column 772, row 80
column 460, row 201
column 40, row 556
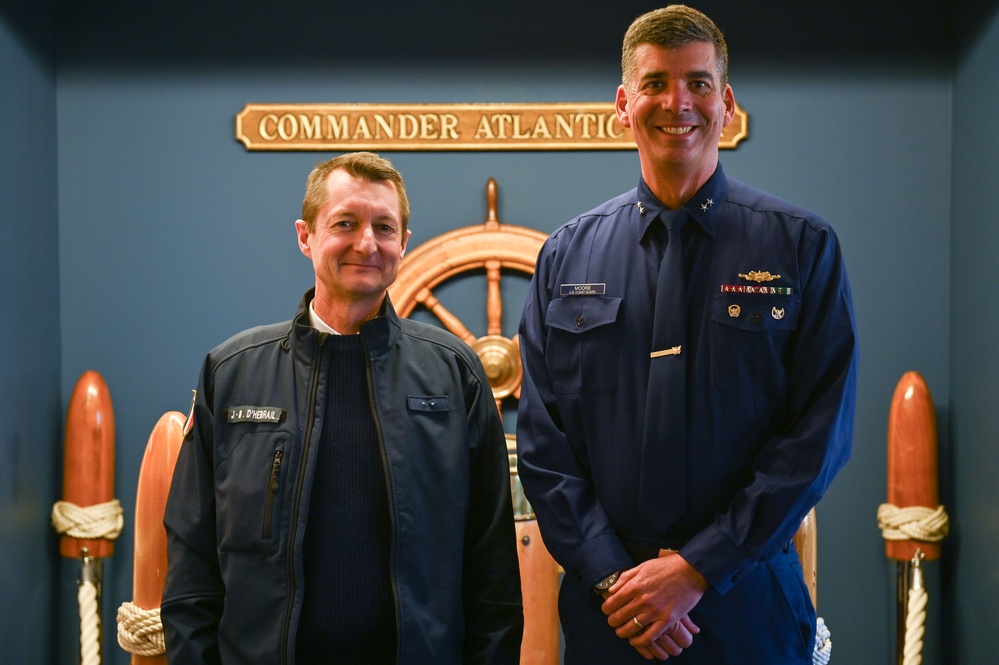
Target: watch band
column 607, row 582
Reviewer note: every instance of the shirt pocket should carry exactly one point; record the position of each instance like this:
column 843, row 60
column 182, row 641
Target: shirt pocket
column 752, row 336
column 250, row 484
column 583, row 351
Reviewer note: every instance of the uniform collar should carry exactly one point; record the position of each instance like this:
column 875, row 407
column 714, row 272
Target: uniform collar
column 704, row 207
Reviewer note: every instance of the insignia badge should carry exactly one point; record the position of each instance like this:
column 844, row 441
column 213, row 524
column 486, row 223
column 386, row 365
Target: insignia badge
column 734, row 311
column 707, row 204
column 758, row 276
column 189, row 423
column 641, row 208
column 777, row 313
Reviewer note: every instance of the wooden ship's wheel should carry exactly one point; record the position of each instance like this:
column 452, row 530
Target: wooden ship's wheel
column 493, row 247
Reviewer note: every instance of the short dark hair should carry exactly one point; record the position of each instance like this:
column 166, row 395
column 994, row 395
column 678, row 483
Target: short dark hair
column 672, row 27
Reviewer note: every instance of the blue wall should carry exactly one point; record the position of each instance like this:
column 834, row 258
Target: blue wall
column 30, row 399
column 171, row 237
column 973, row 573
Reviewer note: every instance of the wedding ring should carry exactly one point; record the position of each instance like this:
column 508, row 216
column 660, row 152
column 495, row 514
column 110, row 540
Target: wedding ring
column 637, row 622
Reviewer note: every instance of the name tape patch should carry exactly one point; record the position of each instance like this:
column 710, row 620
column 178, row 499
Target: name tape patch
column 583, row 289
column 254, row 414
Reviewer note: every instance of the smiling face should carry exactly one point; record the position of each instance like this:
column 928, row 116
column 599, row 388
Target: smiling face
column 356, row 244
column 677, row 107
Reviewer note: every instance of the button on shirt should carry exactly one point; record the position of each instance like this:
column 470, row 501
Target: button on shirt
column 771, row 373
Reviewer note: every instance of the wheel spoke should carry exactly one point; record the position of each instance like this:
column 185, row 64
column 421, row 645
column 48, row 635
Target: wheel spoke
column 450, row 321
column 494, row 299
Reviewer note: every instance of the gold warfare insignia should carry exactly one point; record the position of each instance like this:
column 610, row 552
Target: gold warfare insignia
column 734, row 311
column 758, row 276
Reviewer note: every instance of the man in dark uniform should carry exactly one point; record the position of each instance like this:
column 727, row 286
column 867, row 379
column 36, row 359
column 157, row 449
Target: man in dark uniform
column 689, row 383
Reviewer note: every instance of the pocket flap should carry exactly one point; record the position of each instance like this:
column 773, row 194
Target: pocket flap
column 579, row 314
column 428, row 403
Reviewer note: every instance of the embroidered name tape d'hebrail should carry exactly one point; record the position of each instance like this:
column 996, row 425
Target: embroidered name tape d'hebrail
column 254, row 414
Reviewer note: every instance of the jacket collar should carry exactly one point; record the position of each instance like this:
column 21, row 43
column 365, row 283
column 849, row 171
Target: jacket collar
column 379, row 334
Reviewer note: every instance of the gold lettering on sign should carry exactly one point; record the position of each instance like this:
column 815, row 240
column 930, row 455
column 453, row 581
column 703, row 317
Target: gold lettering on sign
column 564, row 126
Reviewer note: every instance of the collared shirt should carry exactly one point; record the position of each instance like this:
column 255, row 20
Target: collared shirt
column 771, row 375
column 317, row 322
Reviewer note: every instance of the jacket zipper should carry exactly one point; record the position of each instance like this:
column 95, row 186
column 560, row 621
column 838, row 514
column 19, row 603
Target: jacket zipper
column 388, row 489
column 292, row 586
column 272, row 487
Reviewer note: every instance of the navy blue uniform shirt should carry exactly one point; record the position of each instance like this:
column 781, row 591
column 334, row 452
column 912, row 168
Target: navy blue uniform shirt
column 771, row 376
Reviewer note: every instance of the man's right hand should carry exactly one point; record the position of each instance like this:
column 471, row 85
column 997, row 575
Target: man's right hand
column 649, row 605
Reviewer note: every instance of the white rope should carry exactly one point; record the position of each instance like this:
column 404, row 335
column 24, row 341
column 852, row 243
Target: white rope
column 140, row 631
column 823, row 644
column 101, row 520
column 90, row 624
column 915, row 618
column 913, row 523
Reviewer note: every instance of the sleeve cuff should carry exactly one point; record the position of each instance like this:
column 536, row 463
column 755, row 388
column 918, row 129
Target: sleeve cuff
column 597, row 558
column 714, row 557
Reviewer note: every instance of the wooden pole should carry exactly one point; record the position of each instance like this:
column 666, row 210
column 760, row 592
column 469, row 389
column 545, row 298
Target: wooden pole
column 912, row 481
column 88, row 463
column 88, row 481
column 912, row 460
column 155, row 475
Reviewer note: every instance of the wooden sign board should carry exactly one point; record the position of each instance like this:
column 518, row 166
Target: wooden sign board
column 343, row 127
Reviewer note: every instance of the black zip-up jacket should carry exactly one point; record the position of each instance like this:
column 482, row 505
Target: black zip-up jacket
column 238, row 504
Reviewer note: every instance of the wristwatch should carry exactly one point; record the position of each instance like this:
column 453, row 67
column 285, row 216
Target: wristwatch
column 607, row 582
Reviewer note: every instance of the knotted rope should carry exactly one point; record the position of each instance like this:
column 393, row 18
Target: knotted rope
column 913, row 523
column 140, row 631
column 101, row 520
column 823, row 644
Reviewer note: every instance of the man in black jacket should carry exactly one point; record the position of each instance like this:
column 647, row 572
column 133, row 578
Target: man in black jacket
column 342, row 493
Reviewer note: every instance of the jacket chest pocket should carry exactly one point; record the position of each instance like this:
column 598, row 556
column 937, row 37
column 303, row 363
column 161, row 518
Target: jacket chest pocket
column 582, row 350
column 250, row 485
column 751, row 340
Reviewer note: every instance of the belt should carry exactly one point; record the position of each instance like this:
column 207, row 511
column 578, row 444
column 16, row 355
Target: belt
column 644, row 549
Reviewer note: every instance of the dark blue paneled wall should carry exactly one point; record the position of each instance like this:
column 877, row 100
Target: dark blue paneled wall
column 973, row 466
column 30, row 397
